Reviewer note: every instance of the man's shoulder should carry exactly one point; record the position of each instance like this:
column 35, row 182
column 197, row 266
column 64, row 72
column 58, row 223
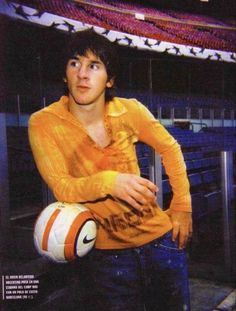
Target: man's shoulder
column 127, row 101
column 52, row 109
column 121, row 104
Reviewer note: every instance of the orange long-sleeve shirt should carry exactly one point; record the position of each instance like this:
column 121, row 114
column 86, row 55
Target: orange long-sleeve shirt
column 78, row 170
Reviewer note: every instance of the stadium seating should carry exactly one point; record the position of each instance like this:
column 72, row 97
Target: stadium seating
column 202, row 156
column 201, row 152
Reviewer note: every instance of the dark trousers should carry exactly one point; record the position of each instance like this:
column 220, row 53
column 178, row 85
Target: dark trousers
column 150, row 277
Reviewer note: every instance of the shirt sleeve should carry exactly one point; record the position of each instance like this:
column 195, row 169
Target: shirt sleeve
column 155, row 135
column 54, row 171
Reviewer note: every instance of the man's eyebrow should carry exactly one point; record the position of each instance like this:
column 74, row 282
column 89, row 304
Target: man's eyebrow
column 92, row 61
column 96, row 61
column 74, row 57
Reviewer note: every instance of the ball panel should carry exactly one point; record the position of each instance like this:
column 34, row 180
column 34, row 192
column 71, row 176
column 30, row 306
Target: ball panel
column 63, row 223
column 41, row 222
column 37, row 244
column 74, row 233
column 48, row 229
column 86, row 238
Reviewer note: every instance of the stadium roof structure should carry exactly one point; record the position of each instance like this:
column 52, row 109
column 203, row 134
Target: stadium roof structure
column 129, row 23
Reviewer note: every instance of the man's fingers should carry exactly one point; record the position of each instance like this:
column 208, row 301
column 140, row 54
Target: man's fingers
column 134, row 203
column 135, row 190
column 175, row 230
column 190, row 229
column 148, row 184
column 146, row 195
column 138, row 197
column 183, row 238
column 181, row 232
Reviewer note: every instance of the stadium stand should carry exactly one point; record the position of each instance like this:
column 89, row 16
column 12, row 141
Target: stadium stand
column 202, row 156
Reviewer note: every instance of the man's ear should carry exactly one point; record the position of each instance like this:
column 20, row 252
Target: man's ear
column 65, row 80
column 110, row 83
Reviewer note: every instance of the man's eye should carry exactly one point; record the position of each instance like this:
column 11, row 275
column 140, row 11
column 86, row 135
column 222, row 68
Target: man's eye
column 74, row 63
column 94, row 66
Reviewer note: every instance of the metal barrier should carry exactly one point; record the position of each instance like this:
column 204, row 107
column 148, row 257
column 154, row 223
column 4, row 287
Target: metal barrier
column 227, row 170
column 228, row 200
column 212, row 116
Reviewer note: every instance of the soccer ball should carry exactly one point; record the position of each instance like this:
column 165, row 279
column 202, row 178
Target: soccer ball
column 64, row 231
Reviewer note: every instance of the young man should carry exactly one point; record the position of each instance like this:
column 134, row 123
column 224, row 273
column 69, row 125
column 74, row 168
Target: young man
column 84, row 148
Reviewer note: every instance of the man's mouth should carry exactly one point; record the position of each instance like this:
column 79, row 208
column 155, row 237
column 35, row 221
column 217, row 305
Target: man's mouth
column 83, row 87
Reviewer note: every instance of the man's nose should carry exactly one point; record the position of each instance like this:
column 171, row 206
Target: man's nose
column 82, row 72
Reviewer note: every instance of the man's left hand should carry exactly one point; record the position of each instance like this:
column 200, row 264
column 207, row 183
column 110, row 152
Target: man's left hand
column 182, row 226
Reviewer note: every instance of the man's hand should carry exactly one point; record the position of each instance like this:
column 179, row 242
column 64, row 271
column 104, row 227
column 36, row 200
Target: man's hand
column 182, row 226
column 135, row 190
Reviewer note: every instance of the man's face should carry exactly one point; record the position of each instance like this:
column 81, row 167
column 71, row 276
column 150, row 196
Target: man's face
column 87, row 79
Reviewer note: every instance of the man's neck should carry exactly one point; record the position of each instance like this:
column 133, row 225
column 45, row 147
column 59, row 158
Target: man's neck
column 88, row 114
column 92, row 118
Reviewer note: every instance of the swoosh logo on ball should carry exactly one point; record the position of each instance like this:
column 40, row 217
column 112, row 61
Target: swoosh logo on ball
column 86, row 240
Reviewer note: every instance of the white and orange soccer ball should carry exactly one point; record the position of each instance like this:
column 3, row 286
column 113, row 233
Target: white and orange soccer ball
column 64, row 231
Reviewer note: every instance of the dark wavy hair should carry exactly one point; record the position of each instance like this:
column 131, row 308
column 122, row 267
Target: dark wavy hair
column 80, row 43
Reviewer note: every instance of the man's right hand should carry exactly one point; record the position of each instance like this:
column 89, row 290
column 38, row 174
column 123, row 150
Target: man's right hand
column 135, row 190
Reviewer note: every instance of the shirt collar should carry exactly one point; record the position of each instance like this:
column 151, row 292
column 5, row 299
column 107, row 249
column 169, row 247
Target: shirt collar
column 116, row 108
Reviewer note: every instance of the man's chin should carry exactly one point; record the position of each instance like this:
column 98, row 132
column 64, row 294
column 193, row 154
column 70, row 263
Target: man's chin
column 81, row 103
